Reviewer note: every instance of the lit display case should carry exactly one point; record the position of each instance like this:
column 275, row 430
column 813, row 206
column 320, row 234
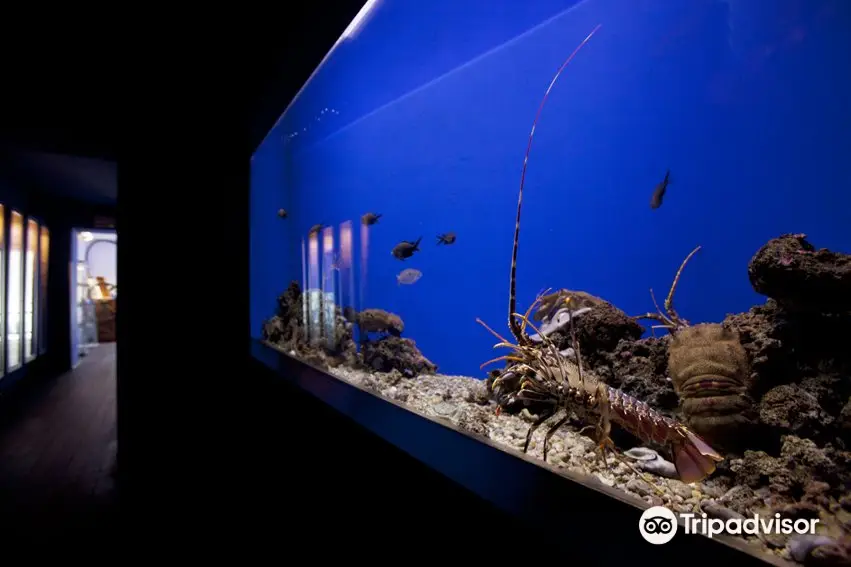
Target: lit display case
column 44, row 258
column 15, row 295
column 30, row 290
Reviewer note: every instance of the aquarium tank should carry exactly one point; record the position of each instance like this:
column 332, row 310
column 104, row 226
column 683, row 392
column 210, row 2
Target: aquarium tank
column 614, row 235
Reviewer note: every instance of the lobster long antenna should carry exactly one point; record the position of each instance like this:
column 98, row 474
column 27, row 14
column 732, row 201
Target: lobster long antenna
column 516, row 330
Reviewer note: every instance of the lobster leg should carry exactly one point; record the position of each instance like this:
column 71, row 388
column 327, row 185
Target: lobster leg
column 552, row 432
column 544, row 417
column 604, row 426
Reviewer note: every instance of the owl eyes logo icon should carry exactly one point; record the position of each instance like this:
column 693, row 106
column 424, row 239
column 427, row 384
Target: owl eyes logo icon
column 658, row 525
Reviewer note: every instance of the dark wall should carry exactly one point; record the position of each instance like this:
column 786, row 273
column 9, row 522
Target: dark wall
column 60, row 216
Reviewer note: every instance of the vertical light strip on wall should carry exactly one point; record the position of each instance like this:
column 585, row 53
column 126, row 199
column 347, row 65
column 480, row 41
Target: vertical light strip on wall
column 44, row 257
column 15, row 295
column 30, row 287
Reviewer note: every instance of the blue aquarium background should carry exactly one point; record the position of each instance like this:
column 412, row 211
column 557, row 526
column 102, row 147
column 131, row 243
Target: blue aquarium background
column 424, row 116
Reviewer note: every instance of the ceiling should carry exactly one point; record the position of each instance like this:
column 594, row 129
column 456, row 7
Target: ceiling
column 59, row 124
column 87, row 179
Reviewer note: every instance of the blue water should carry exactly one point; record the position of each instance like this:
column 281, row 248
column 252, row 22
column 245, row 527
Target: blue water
column 430, row 108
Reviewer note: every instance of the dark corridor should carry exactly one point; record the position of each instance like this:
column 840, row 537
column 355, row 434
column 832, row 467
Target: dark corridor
column 57, row 449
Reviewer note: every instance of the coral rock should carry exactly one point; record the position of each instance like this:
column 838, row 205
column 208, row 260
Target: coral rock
column 599, row 327
column 396, row 353
column 801, row 468
column 791, row 409
column 845, row 418
column 762, row 333
column 285, row 327
column 790, row 270
column 289, row 302
column 602, row 328
column 380, row 321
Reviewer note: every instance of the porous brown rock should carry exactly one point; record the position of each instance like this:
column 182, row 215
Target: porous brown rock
column 800, row 278
column 396, row 353
column 763, row 331
column 790, row 408
column 602, row 328
column 380, row 321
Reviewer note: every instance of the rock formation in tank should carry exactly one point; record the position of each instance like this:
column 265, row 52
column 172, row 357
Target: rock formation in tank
column 790, row 416
column 382, row 348
column 798, row 277
column 390, row 351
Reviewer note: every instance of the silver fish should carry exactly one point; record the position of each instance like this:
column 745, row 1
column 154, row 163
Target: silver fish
column 408, row 276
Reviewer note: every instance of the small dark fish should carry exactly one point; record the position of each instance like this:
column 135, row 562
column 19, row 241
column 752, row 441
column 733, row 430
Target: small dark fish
column 282, row 213
column 315, row 229
column 448, row 238
column 406, row 249
column 659, row 192
column 369, row 219
column 408, row 276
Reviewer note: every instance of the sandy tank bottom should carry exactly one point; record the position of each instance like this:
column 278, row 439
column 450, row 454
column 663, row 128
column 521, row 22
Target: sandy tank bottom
column 465, row 404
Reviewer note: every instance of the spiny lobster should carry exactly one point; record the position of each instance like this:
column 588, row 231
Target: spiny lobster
column 548, row 377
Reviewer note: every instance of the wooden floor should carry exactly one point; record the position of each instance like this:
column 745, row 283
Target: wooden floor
column 57, row 448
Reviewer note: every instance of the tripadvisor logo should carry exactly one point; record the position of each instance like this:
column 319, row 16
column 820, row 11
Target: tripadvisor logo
column 659, row 525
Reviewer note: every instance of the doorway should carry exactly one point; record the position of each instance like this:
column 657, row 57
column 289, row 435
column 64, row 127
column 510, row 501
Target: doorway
column 94, row 290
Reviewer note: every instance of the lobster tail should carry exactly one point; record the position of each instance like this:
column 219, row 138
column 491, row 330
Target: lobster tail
column 693, row 457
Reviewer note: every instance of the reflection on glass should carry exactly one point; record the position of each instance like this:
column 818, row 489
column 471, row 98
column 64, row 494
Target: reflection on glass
column 15, row 297
column 30, row 290
column 44, row 255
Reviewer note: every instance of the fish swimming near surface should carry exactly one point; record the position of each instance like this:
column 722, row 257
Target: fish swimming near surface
column 408, row 276
column 282, row 213
column 406, row 249
column 448, row 238
column 659, row 192
column 315, row 229
column 369, row 219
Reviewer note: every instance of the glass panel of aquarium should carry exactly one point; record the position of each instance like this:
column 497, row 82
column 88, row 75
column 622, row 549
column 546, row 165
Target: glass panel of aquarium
column 14, row 322
column 674, row 293
column 30, row 283
column 44, row 257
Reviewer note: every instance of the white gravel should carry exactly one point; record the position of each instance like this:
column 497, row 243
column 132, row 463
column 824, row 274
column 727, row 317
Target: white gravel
column 463, row 402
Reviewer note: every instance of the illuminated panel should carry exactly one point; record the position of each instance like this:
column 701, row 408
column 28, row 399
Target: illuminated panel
column 15, row 293
column 44, row 257
column 30, row 290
